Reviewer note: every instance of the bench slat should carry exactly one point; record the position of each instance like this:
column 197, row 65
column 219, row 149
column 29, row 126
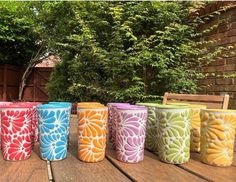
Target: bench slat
column 202, row 98
column 212, row 101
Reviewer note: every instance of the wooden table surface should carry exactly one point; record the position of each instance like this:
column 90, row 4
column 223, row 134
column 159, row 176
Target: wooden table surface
column 71, row 169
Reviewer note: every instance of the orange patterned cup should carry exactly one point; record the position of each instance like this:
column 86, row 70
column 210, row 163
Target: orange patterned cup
column 92, row 130
column 217, row 136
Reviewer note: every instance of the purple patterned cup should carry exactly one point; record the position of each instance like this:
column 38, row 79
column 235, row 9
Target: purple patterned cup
column 130, row 133
column 112, row 121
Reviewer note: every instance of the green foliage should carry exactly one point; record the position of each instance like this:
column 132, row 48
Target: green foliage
column 19, row 40
column 129, row 51
column 110, row 51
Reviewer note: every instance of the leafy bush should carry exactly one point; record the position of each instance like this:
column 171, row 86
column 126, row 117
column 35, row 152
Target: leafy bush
column 19, row 39
column 123, row 51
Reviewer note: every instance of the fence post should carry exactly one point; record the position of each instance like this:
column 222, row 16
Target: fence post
column 4, row 83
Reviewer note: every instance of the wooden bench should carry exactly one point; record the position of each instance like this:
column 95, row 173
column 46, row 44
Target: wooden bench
column 212, row 101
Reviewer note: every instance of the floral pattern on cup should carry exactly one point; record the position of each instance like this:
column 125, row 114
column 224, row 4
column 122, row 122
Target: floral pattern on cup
column 217, row 137
column 130, row 135
column 53, row 128
column 174, row 135
column 151, row 136
column 92, row 130
column 16, row 133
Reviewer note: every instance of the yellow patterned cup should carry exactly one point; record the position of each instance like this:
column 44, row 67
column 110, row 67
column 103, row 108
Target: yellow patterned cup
column 217, row 136
column 195, row 127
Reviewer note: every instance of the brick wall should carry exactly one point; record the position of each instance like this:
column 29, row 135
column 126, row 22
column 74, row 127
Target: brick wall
column 216, row 82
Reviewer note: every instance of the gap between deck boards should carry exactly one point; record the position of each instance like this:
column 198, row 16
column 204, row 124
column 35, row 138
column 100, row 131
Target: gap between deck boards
column 50, row 173
column 122, row 171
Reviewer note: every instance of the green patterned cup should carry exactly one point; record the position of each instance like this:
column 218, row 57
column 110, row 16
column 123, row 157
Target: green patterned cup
column 151, row 130
column 173, row 133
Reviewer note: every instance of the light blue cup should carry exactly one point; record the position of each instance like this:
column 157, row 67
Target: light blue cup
column 53, row 131
column 69, row 105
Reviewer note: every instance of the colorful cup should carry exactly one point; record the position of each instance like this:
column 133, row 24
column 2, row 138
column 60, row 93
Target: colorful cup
column 131, row 133
column 2, row 104
column 195, row 124
column 173, row 133
column 151, row 131
column 69, row 106
column 53, row 131
column 112, row 117
column 195, row 127
column 92, row 130
column 34, row 121
column 217, row 136
column 16, row 131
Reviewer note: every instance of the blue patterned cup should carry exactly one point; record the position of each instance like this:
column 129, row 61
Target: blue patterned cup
column 53, row 131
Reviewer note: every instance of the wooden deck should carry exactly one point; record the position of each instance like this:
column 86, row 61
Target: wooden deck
column 149, row 170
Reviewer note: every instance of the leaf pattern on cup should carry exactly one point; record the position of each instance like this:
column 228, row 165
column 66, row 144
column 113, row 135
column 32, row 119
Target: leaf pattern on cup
column 217, row 137
column 53, row 127
column 92, row 130
column 130, row 135
column 173, row 135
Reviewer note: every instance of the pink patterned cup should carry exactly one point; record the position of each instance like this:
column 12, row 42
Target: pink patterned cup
column 34, row 121
column 16, row 131
column 130, row 133
column 112, row 121
column 2, row 104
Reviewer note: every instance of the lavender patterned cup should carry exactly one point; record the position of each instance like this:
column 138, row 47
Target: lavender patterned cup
column 112, row 117
column 130, row 133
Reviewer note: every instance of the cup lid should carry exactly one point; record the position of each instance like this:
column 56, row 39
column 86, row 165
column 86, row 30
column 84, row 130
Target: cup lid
column 92, row 106
column 165, row 106
column 88, row 103
column 150, row 104
column 51, row 106
column 130, row 107
column 65, row 103
column 117, row 103
column 220, row 110
column 18, row 105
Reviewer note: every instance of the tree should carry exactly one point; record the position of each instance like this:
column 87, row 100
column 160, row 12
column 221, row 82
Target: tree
column 123, row 51
column 20, row 40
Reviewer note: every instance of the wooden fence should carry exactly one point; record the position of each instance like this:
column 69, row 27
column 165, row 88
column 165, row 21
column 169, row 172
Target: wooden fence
column 35, row 90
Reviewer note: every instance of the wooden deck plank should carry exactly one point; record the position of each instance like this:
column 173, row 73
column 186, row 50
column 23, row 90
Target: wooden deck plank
column 234, row 159
column 152, row 169
column 226, row 174
column 32, row 169
column 72, row 169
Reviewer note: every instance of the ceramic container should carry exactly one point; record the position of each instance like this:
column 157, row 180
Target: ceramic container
column 112, row 117
column 195, row 124
column 151, row 131
column 53, row 131
column 173, row 134
column 16, row 131
column 195, row 127
column 131, row 133
column 1, row 105
column 69, row 106
column 92, row 132
column 34, row 121
column 217, row 136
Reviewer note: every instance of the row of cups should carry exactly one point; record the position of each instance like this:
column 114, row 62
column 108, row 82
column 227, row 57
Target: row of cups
column 24, row 123
column 129, row 131
column 176, row 129
column 168, row 130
